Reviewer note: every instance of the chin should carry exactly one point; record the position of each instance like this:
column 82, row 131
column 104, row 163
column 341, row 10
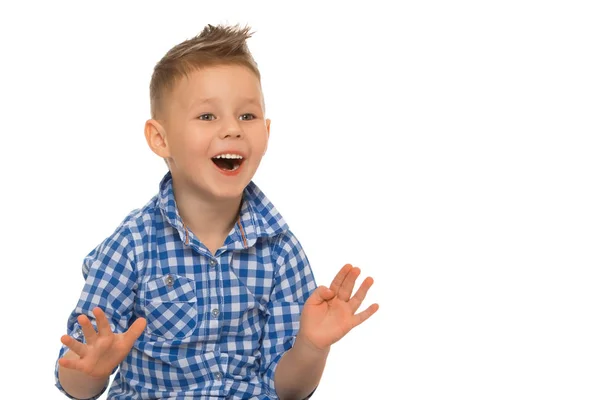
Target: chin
column 229, row 193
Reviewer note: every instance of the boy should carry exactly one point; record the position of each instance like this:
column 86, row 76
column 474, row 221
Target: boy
column 205, row 292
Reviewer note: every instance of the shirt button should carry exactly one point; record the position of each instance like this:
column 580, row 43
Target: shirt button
column 169, row 280
column 79, row 332
column 215, row 312
column 218, row 376
column 213, row 263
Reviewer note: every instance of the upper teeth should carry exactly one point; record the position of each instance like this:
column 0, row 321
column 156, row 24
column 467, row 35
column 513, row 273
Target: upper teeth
column 229, row 156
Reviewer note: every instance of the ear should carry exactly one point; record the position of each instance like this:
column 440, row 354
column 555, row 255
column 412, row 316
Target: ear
column 268, row 124
column 156, row 138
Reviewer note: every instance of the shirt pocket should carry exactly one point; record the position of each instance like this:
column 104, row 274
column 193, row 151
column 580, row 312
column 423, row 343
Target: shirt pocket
column 171, row 306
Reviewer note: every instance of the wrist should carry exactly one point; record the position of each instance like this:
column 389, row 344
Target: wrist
column 96, row 379
column 306, row 346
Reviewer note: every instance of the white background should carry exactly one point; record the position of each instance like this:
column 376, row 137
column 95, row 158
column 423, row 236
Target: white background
column 450, row 149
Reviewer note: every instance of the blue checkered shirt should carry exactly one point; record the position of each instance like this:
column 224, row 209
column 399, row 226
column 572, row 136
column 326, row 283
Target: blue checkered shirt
column 217, row 324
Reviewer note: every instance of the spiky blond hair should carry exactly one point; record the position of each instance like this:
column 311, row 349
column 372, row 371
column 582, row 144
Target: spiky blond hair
column 215, row 45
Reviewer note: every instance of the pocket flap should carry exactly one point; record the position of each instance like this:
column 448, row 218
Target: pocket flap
column 170, row 287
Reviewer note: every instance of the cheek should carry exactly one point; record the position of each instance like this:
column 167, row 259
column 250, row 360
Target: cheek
column 265, row 147
column 263, row 142
column 260, row 150
column 193, row 144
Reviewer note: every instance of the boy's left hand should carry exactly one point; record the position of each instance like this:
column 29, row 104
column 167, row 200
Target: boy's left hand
column 330, row 313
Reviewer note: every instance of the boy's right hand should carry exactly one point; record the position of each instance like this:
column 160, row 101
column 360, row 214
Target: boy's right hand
column 103, row 350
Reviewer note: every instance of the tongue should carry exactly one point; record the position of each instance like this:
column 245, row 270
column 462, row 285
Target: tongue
column 224, row 164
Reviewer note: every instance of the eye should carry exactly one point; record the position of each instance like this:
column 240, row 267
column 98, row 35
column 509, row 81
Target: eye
column 207, row 117
column 247, row 117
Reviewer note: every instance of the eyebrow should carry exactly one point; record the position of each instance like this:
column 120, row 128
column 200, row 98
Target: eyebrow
column 213, row 100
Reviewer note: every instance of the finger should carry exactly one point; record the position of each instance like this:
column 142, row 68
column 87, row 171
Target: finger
column 365, row 315
column 348, row 285
column 75, row 346
column 321, row 294
column 135, row 331
column 70, row 363
column 324, row 293
column 360, row 294
column 88, row 329
column 339, row 278
column 102, row 322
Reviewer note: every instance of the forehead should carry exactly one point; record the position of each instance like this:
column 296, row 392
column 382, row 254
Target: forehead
column 218, row 84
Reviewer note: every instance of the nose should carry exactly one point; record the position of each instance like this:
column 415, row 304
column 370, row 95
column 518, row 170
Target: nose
column 232, row 130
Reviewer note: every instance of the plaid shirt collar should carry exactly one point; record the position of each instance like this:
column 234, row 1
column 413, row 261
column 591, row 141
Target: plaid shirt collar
column 258, row 216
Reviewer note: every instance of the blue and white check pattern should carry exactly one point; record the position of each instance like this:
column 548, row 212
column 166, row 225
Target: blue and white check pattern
column 217, row 324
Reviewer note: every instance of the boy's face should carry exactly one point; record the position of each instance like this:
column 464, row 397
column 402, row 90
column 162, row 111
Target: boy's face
column 211, row 119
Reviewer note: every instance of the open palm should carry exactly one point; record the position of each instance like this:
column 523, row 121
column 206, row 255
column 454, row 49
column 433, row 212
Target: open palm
column 103, row 350
column 330, row 313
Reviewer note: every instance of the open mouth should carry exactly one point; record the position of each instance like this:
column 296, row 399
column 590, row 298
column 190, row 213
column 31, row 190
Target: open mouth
column 228, row 162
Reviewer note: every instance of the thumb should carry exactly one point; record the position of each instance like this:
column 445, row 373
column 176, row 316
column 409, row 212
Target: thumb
column 321, row 294
column 135, row 330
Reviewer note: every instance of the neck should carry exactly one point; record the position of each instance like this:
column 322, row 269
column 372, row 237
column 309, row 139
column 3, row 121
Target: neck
column 208, row 219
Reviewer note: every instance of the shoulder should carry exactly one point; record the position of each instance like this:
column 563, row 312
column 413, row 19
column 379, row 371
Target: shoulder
column 293, row 271
column 269, row 223
column 130, row 235
column 287, row 244
column 138, row 222
column 262, row 213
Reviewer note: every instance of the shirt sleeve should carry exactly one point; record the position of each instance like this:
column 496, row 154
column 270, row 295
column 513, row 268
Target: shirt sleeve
column 293, row 284
column 110, row 283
